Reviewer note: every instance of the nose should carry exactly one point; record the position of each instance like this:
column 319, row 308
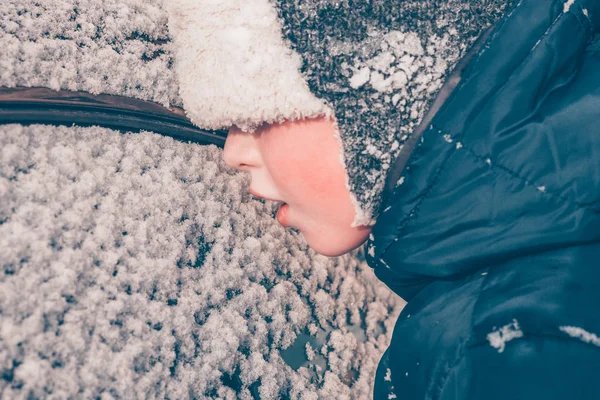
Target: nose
column 241, row 151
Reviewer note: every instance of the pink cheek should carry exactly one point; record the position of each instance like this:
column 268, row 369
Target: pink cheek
column 321, row 191
column 320, row 180
column 299, row 184
column 304, row 171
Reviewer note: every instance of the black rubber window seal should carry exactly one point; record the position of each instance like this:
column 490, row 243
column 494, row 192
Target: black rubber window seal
column 28, row 106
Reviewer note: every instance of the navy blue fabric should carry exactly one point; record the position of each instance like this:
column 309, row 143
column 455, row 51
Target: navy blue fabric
column 495, row 222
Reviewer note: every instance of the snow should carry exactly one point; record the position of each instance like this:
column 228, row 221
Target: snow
column 567, row 5
column 360, row 77
column 499, row 337
column 400, row 57
column 119, row 47
column 371, row 250
column 136, row 265
column 581, row 334
column 388, row 375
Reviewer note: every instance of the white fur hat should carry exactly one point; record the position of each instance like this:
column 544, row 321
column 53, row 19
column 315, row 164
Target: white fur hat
column 235, row 67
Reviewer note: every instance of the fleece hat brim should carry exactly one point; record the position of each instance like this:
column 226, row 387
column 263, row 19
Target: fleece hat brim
column 234, row 66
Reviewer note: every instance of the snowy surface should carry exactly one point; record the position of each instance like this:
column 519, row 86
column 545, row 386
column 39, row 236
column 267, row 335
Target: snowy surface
column 500, row 336
column 581, row 334
column 99, row 46
column 135, row 266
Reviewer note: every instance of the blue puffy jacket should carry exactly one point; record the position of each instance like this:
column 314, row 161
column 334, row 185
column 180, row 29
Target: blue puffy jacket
column 492, row 233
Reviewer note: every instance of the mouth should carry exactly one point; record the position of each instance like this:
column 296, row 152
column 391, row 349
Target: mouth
column 282, row 215
column 260, row 196
column 282, row 211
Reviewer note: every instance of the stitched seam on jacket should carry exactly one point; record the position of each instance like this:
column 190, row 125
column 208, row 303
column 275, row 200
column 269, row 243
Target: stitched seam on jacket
column 526, row 57
column 495, row 167
column 464, row 344
column 525, row 181
column 584, row 20
column 412, row 215
column 588, row 206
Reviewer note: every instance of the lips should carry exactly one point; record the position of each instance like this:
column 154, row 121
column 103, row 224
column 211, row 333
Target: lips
column 282, row 215
column 255, row 194
column 282, row 212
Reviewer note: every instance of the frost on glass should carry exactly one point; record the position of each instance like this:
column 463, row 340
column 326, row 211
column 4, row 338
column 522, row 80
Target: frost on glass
column 119, row 47
column 137, row 266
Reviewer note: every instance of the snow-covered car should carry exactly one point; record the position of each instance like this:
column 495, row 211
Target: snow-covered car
column 134, row 264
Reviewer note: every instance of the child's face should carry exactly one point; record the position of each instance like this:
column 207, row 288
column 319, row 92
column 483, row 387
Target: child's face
column 299, row 163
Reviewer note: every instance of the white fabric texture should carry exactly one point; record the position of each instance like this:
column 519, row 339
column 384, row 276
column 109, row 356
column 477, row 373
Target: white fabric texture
column 234, row 67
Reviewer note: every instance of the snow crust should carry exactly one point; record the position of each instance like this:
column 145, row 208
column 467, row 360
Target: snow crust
column 137, row 266
column 499, row 337
column 567, row 5
column 119, row 47
column 401, row 61
column 581, row 334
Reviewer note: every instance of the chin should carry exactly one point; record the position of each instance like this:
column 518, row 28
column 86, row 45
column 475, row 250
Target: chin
column 334, row 248
column 329, row 252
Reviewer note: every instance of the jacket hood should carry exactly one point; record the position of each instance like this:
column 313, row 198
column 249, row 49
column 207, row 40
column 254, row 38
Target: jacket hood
column 509, row 165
